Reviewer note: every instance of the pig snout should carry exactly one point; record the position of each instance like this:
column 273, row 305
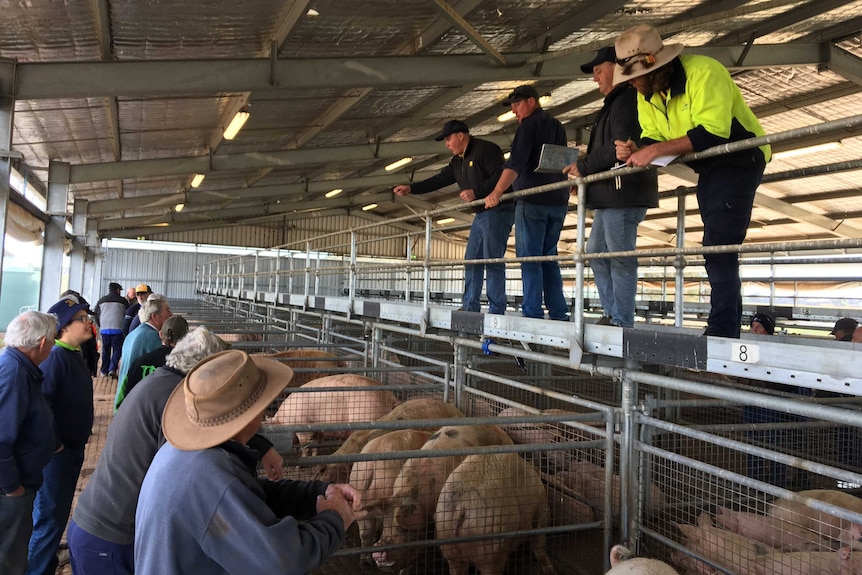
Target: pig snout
column 382, row 559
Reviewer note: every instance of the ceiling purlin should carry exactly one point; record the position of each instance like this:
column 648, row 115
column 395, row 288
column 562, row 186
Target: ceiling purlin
column 845, row 64
column 706, row 8
column 835, row 32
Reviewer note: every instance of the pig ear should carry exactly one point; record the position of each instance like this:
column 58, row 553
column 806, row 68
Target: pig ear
column 688, row 531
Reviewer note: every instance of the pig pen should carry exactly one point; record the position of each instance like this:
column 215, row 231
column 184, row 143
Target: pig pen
column 662, row 459
column 573, row 531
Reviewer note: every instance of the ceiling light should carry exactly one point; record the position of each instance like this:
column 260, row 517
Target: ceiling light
column 333, row 193
column 312, row 13
column 398, row 164
column 545, row 100
column 369, row 207
column 198, row 180
column 506, row 117
column 445, row 221
column 507, row 155
column 806, row 150
column 236, row 124
column 179, row 207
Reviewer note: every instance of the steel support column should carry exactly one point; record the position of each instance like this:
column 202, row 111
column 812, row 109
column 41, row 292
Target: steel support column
column 55, row 234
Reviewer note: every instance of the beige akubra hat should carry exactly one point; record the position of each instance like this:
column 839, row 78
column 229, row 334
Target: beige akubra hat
column 220, row 396
column 640, row 51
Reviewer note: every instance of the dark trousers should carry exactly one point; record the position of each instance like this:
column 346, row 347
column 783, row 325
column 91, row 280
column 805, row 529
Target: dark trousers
column 725, row 196
column 16, row 525
column 112, row 348
column 91, row 555
column 51, row 509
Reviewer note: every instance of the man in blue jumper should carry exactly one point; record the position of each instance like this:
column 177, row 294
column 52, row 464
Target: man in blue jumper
column 68, row 387
column 26, row 432
column 475, row 166
column 539, row 217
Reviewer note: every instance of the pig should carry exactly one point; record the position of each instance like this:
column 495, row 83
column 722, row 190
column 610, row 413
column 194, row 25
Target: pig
column 487, row 494
column 421, row 408
column 722, row 547
column 845, row 564
column 771, row 531
column 529, row 433
column 323, row 362
column 238, row 337
column 796, row 563
column 637, row 565
column 373, row 480
column 823, row 523
column 588, row 479
column 414, row 495
column 334, row 406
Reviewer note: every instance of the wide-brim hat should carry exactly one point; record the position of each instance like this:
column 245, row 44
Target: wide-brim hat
column 220, row 396
column 640, row 51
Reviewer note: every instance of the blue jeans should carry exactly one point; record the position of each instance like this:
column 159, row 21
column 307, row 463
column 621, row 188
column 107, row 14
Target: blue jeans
column 51, row 509
column 616, row 230
column 488, row 236
column 16, row 524
column 112, row 348
column 91, row 555
column 725, row 196
column 537, row 231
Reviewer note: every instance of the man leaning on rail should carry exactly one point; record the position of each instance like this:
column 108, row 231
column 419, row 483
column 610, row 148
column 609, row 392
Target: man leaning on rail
column 475, row 166
column 688, row 103
column 620, row 203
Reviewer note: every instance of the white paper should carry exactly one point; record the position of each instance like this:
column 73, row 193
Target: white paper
column 663, row 161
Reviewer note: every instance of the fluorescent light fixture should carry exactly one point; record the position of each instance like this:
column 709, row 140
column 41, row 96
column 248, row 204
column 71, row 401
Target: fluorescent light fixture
column 236, row 124
column 398, row 164
column 807, row 150
column 198, row 180
column 510, row 115
column 445, row 221
column 507, row 155
column 369, row 207
column 333, row 193
column 545, row 100
column 312, row 13
column 179, row 207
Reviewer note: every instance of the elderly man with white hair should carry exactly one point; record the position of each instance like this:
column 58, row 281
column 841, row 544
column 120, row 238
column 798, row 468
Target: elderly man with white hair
column 154, row 312
column 26, row 432
column 102, row 531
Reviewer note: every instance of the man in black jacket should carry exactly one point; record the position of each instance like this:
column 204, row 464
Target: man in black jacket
column 475, row 166
column 620, row 203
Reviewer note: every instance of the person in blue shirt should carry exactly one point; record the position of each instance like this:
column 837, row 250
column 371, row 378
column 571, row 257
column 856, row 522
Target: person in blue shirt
column 202, row 510
column 154, row 312
column 539, row 218
column 26, row 432
column 68, row 387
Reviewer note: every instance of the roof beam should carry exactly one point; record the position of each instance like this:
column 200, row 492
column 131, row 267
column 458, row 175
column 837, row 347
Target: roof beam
column 835, row 32
column 236, row 214
column 452, row 15
column 846, row 64
column 39, row 80
column 767, row 26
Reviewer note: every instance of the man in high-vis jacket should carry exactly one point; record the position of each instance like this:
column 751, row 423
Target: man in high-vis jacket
column 688, row 103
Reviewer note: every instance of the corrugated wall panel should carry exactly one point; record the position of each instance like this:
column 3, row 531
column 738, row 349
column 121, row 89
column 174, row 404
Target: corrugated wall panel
column 168, row 272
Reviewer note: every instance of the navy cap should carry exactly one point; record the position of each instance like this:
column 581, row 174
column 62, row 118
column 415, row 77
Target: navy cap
column 845, row 324
column 607, row 54
column 764, row 319
column 521, row 93
column 452, row 127
column 65, row 309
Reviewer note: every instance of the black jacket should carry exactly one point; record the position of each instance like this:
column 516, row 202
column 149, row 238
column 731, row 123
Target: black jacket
column 617, row 120
column 478, row 170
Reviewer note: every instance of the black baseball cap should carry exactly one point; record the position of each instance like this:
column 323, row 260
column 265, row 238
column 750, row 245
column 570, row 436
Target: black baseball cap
column 521, row 93
column 452, row 127
column 607, row 54
column 766, row 320
column 845, row 324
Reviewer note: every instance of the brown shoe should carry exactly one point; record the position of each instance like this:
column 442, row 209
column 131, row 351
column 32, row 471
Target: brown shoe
column 604, row 320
